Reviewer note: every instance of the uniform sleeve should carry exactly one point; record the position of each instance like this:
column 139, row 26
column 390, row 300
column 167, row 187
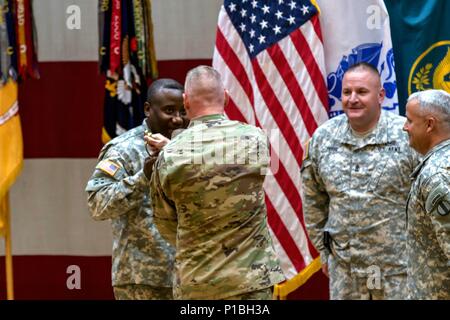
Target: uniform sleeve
column 164, row 213
column 437, row 205
column 112, row 191
column 315, row 201
column 263, row 152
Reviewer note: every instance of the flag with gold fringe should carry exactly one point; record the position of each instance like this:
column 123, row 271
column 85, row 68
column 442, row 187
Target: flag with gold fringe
column 127, row 58
column 11, row 147
column 17, row 61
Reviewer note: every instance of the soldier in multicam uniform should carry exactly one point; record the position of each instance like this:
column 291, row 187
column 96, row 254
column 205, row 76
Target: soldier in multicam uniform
column 355, row 179
column 428, row 209
column 211, row 205
column 142, row 262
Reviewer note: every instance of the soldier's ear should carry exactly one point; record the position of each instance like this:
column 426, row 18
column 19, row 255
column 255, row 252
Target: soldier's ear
column 381, row 95
column 147, row 108
column 431, row 124
column 186, row 102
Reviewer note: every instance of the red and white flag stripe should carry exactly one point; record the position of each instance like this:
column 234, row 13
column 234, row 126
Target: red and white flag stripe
column 283, row 91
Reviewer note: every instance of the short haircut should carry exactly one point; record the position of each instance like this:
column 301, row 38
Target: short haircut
column 434, row 101
column 204, row 87
column 205, row 73
column 161, row 84
column 363, row 66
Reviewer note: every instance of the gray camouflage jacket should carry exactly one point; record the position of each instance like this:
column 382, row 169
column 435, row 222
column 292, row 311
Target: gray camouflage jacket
column 356, row 189
column 119, row 190
column 429, row 227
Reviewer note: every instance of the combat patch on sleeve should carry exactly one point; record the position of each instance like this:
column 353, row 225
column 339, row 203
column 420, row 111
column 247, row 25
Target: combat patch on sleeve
column 108, row 167
column 438, row 200
column 443, row 208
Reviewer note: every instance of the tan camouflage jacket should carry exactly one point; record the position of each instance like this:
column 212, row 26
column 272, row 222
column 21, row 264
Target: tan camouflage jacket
column 208, row 200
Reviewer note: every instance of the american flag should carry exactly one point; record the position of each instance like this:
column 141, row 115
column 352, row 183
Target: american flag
column 270, row 54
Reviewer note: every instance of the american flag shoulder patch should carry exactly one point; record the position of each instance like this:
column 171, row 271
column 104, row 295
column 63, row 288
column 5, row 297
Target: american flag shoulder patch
column 108, row 167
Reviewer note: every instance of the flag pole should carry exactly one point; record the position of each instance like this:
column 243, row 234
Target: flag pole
column 8, row 252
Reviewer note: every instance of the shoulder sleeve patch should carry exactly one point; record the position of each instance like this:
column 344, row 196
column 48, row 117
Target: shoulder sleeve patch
column 438, row 199
column 108, row 167
column 443, row 207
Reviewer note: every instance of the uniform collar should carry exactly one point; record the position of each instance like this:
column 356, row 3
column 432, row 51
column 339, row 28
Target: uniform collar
column 437, row 147
column 207, row 118
column 379, row 135
column 146, row 127
column 433, row 150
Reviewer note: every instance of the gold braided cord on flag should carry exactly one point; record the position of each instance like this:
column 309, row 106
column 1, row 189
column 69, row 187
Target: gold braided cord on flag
column 282, row 290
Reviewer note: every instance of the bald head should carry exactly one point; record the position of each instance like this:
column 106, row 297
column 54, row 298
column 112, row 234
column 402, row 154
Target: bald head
column 204, row 92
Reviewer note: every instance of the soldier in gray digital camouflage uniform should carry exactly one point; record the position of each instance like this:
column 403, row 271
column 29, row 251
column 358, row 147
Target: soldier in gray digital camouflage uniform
column 142, row 261
column 355, row 179
column 208, row 200
column 428, row 244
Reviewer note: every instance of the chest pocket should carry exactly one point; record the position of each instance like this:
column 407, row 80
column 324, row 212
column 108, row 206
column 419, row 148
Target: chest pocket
column 334, row 168
column 390, row 173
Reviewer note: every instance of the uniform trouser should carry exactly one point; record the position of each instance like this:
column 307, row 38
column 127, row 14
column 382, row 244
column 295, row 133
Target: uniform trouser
column 142, row 292
column 264, row 294
column 345, row 285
